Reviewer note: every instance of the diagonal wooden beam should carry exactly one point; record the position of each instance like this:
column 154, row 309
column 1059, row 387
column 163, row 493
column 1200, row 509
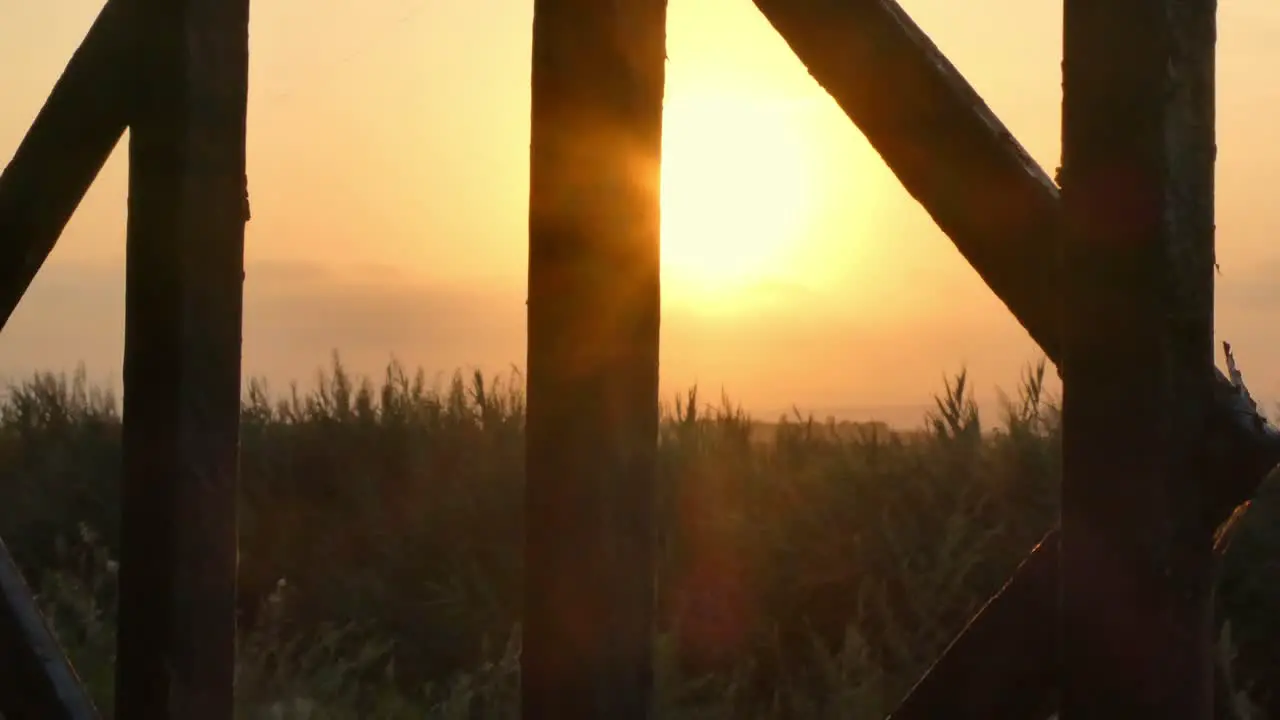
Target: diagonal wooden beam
column 36, row 680
column 183, row 309
column 67, row 145
column 993, row 201
column 949, row 150
column 998, row 207
column 1000, row 667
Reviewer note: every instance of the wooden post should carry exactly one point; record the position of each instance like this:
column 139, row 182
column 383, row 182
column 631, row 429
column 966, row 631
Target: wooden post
column 598, row 74
column 1137, row 359
column 68, row 143
column 185, row 267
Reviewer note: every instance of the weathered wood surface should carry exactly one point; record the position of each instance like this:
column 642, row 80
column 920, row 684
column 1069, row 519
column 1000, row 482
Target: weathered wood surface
column 68, row 143
column 36, row 680
column 598, row 76
column 999, row 208
column 1137, row 359
column 183, row 306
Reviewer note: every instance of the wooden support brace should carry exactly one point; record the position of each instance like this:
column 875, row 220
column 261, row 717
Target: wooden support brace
column 1007, row 647
column 1137, row 359
column 1003, row 665
column 997, row 205
column 984, row 191
column 951, row 153
column 598, row 77
column 36, row 681
column 68, row 143
column 183, row 306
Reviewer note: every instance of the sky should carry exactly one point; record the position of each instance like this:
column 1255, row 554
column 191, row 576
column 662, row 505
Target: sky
column 388, row 174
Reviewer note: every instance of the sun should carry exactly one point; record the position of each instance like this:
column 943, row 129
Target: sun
column 736, row 189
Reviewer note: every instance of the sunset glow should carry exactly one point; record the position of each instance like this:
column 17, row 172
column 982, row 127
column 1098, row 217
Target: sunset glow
column 737, row 184
column 388, row 164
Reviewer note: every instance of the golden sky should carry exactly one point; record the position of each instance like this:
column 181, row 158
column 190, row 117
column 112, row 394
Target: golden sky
column 388, row 149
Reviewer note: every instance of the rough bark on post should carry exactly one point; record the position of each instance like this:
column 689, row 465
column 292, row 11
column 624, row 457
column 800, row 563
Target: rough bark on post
column 68, row 143
column 1137, row 359
column 598, row 76
column 183, row 304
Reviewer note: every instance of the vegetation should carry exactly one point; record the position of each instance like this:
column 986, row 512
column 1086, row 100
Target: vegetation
column 810, row 571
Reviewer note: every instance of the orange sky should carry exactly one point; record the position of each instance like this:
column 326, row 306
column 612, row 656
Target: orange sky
column 388, row 148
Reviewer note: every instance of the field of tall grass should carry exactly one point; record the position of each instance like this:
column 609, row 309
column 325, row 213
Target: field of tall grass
column 805, row 572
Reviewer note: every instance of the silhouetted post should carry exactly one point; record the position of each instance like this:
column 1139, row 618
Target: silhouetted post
column 68, row 143
column 598, row 73
column 185, row 267
column 1137, row 533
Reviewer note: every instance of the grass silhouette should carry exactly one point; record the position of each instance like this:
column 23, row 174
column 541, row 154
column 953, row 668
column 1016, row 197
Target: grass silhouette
column 806, row 569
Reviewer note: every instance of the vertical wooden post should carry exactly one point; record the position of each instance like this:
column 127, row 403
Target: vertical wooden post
column 185, row 268
column 1137, row 179
column 598, row 74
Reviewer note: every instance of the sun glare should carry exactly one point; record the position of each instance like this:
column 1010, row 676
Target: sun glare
column 736, row 190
